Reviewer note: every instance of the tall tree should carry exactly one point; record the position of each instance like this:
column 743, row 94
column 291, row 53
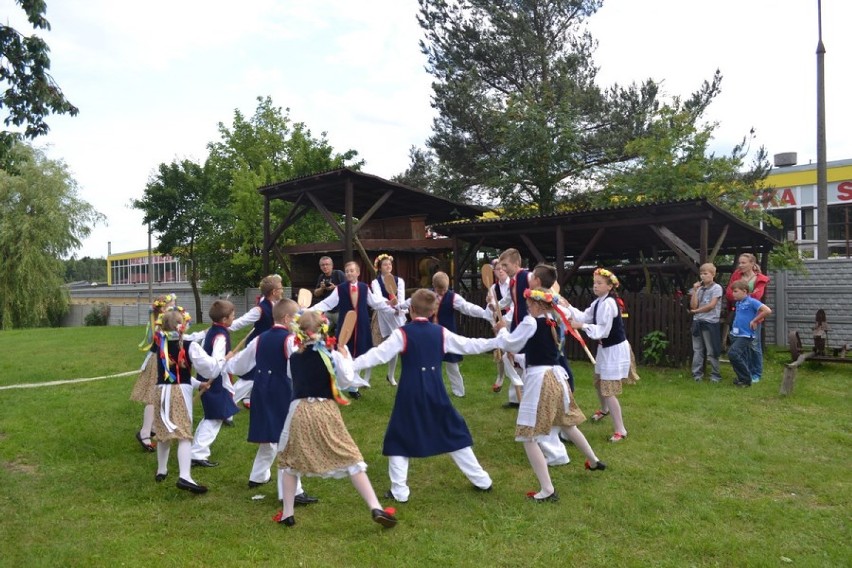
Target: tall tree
column 256, row 151
column 86, row 268
column 673, row 161
column 178, row 205
column 41, row 220
column 520, row 117
column 29, row 91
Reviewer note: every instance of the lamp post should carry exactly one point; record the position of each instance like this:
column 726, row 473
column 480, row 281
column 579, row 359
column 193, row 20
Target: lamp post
column 150, row 269
column 822, row 175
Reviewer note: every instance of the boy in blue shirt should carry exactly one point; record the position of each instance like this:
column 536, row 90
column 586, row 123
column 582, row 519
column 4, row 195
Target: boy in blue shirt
column 748, row 315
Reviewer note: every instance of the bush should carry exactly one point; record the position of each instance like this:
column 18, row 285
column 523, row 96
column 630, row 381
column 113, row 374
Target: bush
column 654, row 347
column 98, row 316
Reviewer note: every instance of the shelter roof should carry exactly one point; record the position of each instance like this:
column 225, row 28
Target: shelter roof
column 328, row 187
column 628, row 230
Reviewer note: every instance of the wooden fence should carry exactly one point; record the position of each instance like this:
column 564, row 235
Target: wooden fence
column 646, row 313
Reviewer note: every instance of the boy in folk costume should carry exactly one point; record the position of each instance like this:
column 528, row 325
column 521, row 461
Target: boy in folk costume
column 445, row 315
column 218, row 401
column 388, row 321
column 314, row 440
column 261, row 317
column 547, row 406
column 510, row 260
column 173, row 416
column 265, row 357
column 355, row 296
column 423, row 421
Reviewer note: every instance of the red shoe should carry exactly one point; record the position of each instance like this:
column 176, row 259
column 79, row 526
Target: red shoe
column 617, row 437
column 496, row 388
column 247, row 403
column 599, row 466
column 599, row 415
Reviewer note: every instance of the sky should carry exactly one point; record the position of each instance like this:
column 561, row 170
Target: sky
column 154, row 79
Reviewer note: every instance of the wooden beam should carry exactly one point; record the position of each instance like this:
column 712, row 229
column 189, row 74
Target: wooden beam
column 719, row 243
column 703, row 239
column 371, row 272
column 349, row 231
column 266, row 240
column 533, row 249
column 369, row 214
column 297, row 211
column 332, row 222
column 688, row 261
column 590, row 246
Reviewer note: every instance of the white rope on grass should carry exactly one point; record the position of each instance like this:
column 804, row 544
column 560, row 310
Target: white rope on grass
column 66, row 382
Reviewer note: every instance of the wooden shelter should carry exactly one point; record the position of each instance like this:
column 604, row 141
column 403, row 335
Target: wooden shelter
column 370, row 215
column 658, row 246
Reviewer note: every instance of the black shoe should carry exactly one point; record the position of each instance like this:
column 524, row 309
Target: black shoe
column 484, row 489
column 253, row 484
column 552, row 497
column 354, row 394
column 383, row 518
column 742, row 384
column 204, row 463
column 190, row 486
column 288, row 521
column 304, row 499
column 159, row 477
column 229, row 422
column 389, row 495
column 599, row 466
column 511, row 405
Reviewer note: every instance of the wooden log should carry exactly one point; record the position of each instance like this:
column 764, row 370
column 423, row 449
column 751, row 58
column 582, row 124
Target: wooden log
column 789, row 380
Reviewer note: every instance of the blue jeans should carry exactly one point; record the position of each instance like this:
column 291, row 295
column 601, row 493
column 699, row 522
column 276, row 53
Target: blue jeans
column 739, row 353
column 756, row 363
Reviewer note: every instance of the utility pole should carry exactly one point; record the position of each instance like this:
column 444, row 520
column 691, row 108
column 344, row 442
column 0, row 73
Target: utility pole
column 822, row 168
column 150, row 269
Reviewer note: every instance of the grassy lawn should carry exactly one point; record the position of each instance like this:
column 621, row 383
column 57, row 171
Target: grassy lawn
column 711, row 475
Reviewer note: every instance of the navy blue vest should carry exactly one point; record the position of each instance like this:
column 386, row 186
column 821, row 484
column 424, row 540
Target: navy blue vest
column 541, row 349
column 310, row 375
column 266, row 321
column 519, row 303
column 362, row 340
column 381, row 282
column 616, row 333
column 174, row 349
column 215, row 331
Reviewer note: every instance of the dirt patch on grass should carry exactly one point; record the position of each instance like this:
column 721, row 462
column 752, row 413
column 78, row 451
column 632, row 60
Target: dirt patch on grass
column 19, row 466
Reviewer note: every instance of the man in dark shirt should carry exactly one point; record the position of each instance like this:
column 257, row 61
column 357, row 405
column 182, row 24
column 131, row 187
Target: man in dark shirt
column 328, row 279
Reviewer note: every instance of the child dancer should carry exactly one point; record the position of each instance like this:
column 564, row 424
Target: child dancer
column 315, row 440
column 423, row 421
column 602, row 321
column 218, row 400
column 145, row 389
column 448, row 304
column 498, row 291
column 355, row 296
column 260, row 316
column 510, row 260
column 266, row 358
column 388, row 321
column 173, row 419
column 547, row 406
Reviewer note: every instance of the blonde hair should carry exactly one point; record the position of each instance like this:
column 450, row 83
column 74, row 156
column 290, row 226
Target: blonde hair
column 511, row 255
column 286, row 307
column 423, row 303
column 440, row 280
column 709, row 267
column 269, row 284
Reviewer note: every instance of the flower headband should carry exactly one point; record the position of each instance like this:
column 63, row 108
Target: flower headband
column 163, row 301
column 604, row 273
column 539, row 296
column 378, row 262
column 186, row 318
column 321, row 335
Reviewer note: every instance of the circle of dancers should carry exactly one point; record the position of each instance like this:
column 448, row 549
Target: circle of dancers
column 295, row 376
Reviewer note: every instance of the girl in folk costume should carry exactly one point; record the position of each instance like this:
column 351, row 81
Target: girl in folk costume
column 355, row 296
column 388, row 321
column 423, row 421
column 173, row 418
column 547, row 406
column 498, row 291
column 145, row 389
column 260, row 316
column 315, row 441
column 603, row 321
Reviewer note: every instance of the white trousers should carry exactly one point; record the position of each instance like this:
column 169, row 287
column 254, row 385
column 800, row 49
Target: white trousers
column 205, row 435
column 261, row 470
column 464, row 459
column 456, row 379
column 242, row 389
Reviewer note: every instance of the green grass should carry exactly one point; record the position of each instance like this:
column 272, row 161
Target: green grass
column 710, row 476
